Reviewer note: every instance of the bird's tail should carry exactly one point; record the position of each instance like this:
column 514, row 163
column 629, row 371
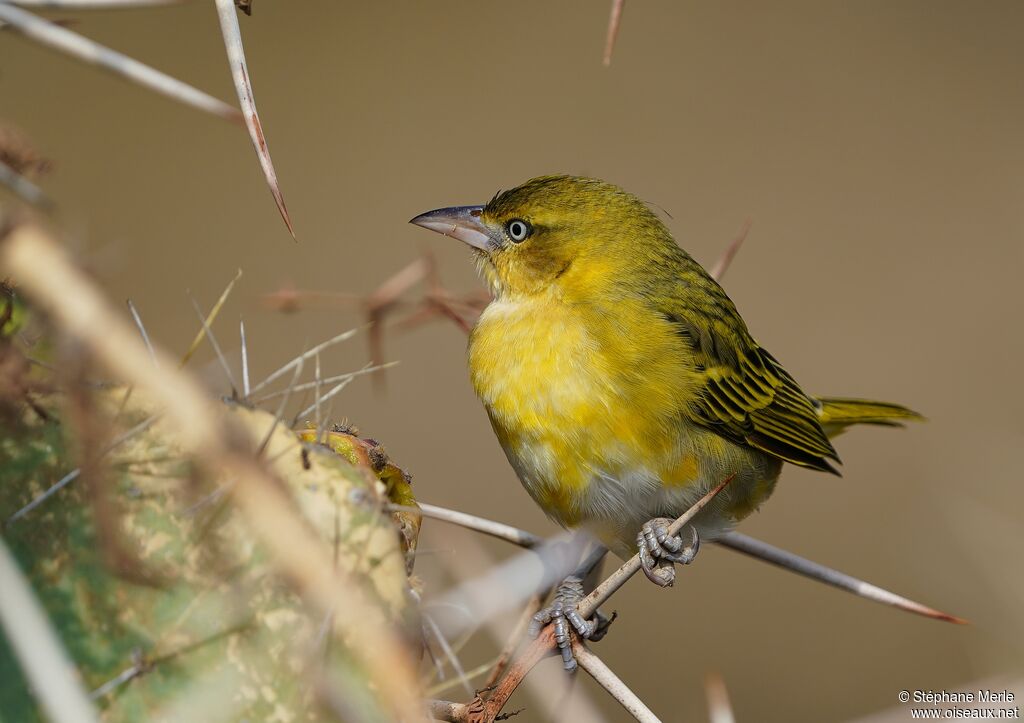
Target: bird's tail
column 837, row 414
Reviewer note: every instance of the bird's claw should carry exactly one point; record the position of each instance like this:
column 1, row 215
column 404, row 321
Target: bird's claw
column 659, row 551
column 563, row 613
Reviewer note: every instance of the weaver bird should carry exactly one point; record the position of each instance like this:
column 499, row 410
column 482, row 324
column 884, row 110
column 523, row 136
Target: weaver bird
column 621, row 381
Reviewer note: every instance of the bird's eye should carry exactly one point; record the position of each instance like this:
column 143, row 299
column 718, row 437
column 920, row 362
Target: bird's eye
column 518, row 230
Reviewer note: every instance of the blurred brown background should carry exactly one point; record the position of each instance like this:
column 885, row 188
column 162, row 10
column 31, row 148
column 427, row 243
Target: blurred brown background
column 875, row 145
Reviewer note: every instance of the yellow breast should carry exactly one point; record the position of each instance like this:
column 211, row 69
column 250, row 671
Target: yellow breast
column 572, row 398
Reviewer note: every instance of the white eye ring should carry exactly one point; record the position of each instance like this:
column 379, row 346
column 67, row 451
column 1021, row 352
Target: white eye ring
column 518, row 230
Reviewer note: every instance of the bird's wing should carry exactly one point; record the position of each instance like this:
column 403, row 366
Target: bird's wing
column 744, row 393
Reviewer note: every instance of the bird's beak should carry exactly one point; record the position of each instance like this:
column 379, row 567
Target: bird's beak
column 461, row 222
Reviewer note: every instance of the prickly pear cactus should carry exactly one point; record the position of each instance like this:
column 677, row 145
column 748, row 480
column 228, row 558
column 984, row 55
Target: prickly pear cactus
column 163, row 596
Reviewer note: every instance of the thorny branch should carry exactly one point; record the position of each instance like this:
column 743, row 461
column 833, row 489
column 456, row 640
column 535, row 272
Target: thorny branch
column 489, row 703
column 506, row 675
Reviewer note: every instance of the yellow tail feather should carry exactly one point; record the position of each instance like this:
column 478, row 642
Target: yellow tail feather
column 837, row 414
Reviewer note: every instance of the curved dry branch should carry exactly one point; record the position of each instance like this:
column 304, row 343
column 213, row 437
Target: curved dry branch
column 618, row 690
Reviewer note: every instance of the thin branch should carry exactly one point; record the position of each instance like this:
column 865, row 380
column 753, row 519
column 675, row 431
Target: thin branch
column 78, row 46
column 472, row 522
column 733, row 540
column 589, row 605
column 613, row 30
column 541, row 647
column 802, row 566
column 448, row 711
column 516, row 637
column 210, row 318
column 725, row 260
column 541, row 688
column 51, row 674
column 240, row 75
column 618, row 690
column 544, row 644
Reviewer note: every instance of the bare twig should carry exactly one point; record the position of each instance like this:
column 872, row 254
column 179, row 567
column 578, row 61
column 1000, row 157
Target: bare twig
column 519, row 667
column 589, row 605
column 544, row 690
column 472, row 522
column 75, row 45
column 544, row 644
column 611, row 683
column 802, row 566
column 240, row 75
column 51, row 674
column 613, row 30
column 516, row 637
column 733, row 540
column 448, row 711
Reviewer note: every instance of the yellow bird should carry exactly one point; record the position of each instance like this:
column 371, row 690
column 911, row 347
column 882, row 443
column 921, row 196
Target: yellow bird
column 620, row 379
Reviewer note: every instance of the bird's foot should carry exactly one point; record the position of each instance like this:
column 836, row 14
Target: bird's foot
column 563, row 612
column 659, row 551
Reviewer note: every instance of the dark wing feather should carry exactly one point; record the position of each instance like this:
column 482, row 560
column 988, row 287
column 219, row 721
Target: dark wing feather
column 745, row 395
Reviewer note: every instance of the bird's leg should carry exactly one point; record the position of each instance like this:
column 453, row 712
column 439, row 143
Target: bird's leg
column 562, row 612
column 659, row 551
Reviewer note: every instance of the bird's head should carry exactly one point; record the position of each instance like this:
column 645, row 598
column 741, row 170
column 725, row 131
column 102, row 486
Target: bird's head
column 564, row 233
